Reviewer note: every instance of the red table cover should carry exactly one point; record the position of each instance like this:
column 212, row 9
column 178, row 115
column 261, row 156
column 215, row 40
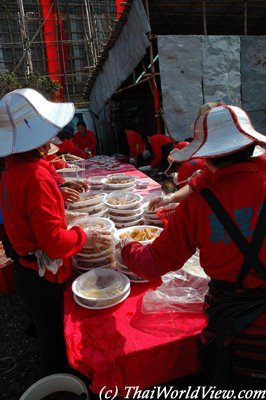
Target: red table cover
column 120, row 346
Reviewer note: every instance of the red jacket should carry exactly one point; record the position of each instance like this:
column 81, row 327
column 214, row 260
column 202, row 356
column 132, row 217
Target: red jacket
column 88, row 141
column 204, row 179
column 136, row 143
column 241, row 189
column 157, row 141
column 33, row 210
column 187, row 168
column 67, row 146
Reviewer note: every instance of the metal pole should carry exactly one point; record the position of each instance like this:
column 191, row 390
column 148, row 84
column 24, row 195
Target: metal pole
column 24, row 37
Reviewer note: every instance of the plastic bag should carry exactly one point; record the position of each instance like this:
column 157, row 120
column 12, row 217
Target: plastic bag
column 98, row 239
column 72, row 215
column 179, row 292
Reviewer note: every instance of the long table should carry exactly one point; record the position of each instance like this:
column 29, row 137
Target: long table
column 121, row 346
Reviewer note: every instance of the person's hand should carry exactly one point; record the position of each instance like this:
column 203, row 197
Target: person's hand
column 97, row 239
column 88, row 151
column 158, row 202
column 79, row 186
column 69, row 195
column 132, row 161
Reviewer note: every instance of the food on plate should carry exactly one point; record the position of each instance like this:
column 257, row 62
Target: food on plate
column 115, row 180
column 141, row 234
column 121, row 200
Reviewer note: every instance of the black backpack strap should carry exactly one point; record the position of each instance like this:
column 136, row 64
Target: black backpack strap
column 231, row 228
column 256, row 242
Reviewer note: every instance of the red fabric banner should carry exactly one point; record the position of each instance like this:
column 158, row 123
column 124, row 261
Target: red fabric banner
column 54, row 36
column 119, row 8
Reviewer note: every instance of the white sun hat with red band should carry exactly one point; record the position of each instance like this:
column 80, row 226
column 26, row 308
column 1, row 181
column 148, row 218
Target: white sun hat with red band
column 220, row 131
column 28, row 120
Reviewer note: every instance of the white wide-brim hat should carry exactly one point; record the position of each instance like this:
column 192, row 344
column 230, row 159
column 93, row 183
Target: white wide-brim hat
column 28, row 120
column 53, row 149
column 222, row 130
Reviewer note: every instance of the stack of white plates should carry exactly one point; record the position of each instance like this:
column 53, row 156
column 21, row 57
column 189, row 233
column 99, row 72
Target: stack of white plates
column 99, row 255
column 119, row 182
column 91, row 202
column 124, row 208
column 150, row 217
column 96, row 182
column 100, row 289
column 142, row 233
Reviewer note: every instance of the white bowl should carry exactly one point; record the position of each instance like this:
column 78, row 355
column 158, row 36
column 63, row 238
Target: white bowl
column 55, row 383
column 96, row 180
column 115, row 212
column 123, row 200
column 99, row 285
column 129, row 230
column 88, row 198
column 127, row 218
column 102, row 305
column 96, row 222
column 119, row 181
column 124, row 224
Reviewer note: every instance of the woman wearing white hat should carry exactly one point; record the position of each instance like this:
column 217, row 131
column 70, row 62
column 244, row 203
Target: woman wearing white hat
column 226, row 224
column 34, row 217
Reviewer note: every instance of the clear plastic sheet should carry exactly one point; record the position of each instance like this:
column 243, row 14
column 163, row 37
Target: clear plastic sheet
column 179, row 292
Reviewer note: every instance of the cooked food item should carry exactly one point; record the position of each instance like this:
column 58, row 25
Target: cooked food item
column 119, row 200
column 99, row 293
column 88, row 196
column 116, row 180
column 141, row 234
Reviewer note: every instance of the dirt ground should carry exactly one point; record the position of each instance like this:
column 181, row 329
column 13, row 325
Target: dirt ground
column 19, row 353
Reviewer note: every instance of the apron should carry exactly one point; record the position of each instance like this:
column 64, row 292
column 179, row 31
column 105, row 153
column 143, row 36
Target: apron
column 231, row 306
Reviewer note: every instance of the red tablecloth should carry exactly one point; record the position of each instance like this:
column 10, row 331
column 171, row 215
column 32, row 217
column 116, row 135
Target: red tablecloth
column 120, row 346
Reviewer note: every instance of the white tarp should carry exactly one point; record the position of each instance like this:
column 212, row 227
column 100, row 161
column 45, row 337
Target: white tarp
column 124, row 56
column 195, row 70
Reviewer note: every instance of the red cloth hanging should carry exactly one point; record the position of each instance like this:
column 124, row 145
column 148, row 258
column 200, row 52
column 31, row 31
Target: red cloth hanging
column 119, row 8
column 54, row 36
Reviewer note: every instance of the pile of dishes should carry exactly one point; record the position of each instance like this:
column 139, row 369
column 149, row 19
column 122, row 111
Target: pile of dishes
column 151, row 217
column 142, row 233
column 119, row 182
column 91, row 202
column 124, row 208
column 100, row 288
column 99, row 254
column 96, row 182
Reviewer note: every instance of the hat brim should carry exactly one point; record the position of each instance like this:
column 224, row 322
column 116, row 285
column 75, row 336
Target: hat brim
column 231, row 131
column 258, row 151
column 53, row 149
column 29, row 121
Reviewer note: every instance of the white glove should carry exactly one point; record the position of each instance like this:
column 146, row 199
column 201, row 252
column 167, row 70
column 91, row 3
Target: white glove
column 45, row 262
column 98, row 239
column 132, row 161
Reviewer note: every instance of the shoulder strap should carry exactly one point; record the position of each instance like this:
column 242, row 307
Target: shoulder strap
column 246, row 248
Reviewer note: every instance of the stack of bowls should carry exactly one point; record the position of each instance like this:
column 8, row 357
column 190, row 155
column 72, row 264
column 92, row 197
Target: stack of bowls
column 100, row 288
column 96, row 182
column 119, row 182
column 124, row 208
column 152, row 218
column 100, row 255
column 143, row 234
column 91, row 202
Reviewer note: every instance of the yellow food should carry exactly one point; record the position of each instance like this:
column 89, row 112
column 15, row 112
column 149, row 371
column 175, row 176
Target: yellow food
column 141, row 234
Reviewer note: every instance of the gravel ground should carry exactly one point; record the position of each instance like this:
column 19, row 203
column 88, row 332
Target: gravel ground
column 19, row 353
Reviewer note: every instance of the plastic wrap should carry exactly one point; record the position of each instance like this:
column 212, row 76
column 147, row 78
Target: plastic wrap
column 179, row 292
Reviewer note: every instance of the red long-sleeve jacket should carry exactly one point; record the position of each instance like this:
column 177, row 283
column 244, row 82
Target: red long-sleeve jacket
column 88, row 141
column 136, row 143
column 34, row 216
column 157, row 141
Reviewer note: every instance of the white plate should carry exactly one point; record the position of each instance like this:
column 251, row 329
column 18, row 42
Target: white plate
column 128, row 224
column 94, row 255
column 126, row 218
column 79, row 302
column 130, row 229
column 73, row 168
column 83, row 202
column 131, row 181
column 105, row 223
column 115, row 212
column 124, row 199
